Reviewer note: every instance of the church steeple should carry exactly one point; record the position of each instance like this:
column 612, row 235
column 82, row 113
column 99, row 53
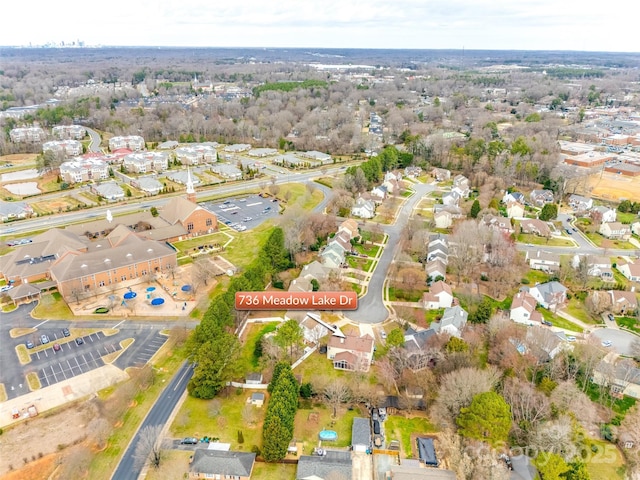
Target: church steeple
column 191, row 191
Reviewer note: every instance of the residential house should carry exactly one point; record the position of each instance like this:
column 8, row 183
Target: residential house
column 441, row 174
column 455, row 211
column 343, row 239
column 412, row 172
column 134, row 143
column 208, row 463
column 452, row 322
column 602, row 214
column 332, row 256
column 323, row 158
column 515, row 210
column 149, row 185
column 83, row 170
column 462, row 184
column 14, row 210
column 196, row 154
column 523, row 309
column 635, row 228
column 419, row 355
column 314, row 328
column 27, row 134
column 579, row 203
column 501, row 224
column 631, row 270
column 545, row 261
column 536, row 227
column 361, row 435
column 440, row 295
column 550, row 295
column 436, row 269
column 315, row 270
column 622, row 377
column 300, row 284
column 262, row 152
column 332, row 464
column 623, row 303
column 615, row 231
column 443, row 219
column 363, row 208
column 379, row 193
column 110, row 191
column 510, row 197
column 451, row 198
column 145, row 162
column 225, row 170
column 597, row 266
column 65, row 132
column 541, row 197
column 350, row 352
column 237, row 148
column 350, row 226
column 69, row 148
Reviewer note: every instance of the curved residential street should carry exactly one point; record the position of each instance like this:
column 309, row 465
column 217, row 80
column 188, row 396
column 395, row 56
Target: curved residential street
column 371, row 307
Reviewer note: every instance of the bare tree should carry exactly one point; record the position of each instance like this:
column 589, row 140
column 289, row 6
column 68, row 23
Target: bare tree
column 528, row 405
column 200, row 272
column 336, row 392
column 555, row 436
column 458, row 388
column 149, row 446
column 75, row 463
column 99, row 430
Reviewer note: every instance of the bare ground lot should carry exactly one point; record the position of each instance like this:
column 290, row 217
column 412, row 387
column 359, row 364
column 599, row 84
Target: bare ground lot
column 55, row 432
column 615, row 187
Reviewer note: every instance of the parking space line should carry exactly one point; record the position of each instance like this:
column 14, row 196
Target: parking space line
column 54, row 373
column 79, row 367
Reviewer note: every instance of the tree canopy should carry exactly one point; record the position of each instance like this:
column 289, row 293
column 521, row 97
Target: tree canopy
column 488, row 418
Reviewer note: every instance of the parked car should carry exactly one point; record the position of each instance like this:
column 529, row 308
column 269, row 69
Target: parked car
column 382, row 411
column 65, row 332
column 611, row 317
column 547, row 323
column 571, row 338
column 189, row 441
column 79, row 341
column 606, row 343
column 56, row 347
column 29, row 344
column 44, row 339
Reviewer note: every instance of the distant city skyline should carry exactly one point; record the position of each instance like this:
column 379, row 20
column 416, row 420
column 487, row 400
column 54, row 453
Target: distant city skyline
column 419, row 24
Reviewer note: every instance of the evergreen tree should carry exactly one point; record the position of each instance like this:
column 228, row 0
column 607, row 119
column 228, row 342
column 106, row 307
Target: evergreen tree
column 475, row 209
column 488, row 418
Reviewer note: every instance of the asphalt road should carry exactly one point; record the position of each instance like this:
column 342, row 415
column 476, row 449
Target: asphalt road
column 63, row 219
column 94, row 146
column 371, row 308
column 620, row 340
column 159, row 415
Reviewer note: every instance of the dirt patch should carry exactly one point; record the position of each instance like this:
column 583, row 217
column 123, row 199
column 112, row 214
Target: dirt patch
column 39, row 439
column 19, row 158
column 615, row 187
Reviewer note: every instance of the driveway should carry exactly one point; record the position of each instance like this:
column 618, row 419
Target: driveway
column 621, row 340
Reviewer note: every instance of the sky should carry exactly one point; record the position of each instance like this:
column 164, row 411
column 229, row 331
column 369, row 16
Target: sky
column 423, row 24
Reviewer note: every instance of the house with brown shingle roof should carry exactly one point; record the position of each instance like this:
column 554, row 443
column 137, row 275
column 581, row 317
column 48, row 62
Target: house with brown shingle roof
column 195, row 219
column 523, row 309
column 350, row 352
column 536, row 227
column 622, row 302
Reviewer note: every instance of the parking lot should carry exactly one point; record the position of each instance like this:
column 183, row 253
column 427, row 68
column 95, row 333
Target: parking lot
column 244, row 213
column 149, row 349
column 73, row 358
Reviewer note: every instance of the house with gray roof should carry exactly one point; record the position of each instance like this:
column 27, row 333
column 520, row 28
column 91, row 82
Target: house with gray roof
column 360, row 434
column 109, row 190
column 415, row 344
column 332, row 256
column 452, row 322
column 321, row 157
column 541, row 197
column 226, row 170
column 149, row 185
column 331, row 465
column 14, row 210
column 550, row 295
column 221, row 464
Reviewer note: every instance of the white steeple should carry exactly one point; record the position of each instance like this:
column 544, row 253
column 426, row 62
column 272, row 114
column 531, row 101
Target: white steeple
column 191, row 191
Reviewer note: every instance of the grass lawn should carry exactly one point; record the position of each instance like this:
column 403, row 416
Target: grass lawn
column 370, row 250
column 296, row 193
column 247, row 362
column 317, row 364
column 401, row 428
column 268, row 471
column 536, row 276
column 627, row 218
column 576, row 309
column 196, row 419
column 398, row 295
column 246, row 245
column 607, row 462
column 601, row 241
column 559, row 321
column 359, row 263
column 306, row 430
column 174, row 464
column 628, row 322
column 52, row 306
column 551, row 241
